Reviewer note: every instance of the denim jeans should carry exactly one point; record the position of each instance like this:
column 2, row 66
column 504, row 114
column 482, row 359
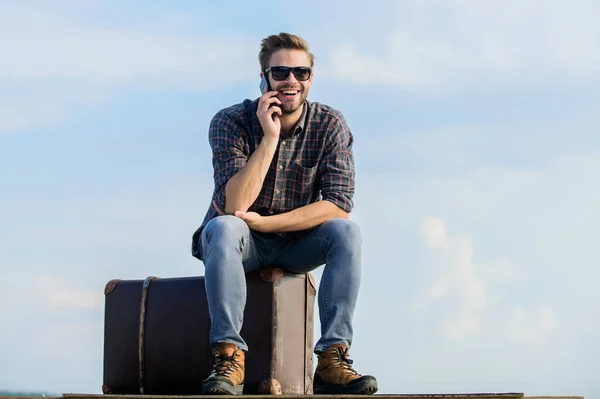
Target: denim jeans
column 230, row 249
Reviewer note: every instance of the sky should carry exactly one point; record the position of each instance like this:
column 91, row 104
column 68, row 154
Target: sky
column 477, row 171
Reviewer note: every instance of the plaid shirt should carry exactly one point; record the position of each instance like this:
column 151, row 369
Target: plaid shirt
column 314, row 163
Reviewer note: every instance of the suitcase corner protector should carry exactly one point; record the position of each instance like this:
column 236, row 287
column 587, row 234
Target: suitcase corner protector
column 271, row 275
column 312, row 282
column 269, row 386
column 110, row 286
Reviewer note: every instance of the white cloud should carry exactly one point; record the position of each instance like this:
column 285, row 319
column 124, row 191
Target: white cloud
column 530, row 327
column 454, row 273
column 434, row 232
column 58, row 293
column 438, row 45
column 37, row 45
column 52, row 64
column 461, row 324
column 25, row 294
column 471, row 286
column 464, row 285
column 29, row 114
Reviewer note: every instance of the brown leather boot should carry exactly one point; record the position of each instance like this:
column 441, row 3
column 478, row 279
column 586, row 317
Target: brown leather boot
column 335, row 375
column 227, row 377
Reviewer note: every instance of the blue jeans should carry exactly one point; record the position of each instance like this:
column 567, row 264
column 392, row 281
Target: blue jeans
column 230, row 249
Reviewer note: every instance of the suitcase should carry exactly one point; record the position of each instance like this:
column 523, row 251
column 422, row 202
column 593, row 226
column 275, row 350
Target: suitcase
column 156, row 335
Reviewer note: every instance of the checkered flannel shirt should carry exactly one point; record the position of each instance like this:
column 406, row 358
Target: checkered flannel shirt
column 315, row 162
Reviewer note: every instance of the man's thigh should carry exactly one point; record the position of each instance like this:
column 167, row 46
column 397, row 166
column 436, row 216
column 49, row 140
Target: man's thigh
column 305, row 254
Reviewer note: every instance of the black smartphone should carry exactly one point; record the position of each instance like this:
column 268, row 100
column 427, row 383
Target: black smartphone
column 264, row 84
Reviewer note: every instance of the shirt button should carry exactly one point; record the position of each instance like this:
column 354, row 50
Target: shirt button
column 270, row 212
column 280, row 167
column 277, row 191
column 283, row 143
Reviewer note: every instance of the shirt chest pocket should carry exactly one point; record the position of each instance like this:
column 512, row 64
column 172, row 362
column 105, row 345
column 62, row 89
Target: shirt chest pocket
column 305, row 179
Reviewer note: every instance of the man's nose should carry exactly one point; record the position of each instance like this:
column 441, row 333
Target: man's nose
column 291, row 78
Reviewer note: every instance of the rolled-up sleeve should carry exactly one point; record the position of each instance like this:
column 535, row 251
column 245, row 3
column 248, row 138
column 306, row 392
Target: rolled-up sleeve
column 337, row 165
column 228, row 149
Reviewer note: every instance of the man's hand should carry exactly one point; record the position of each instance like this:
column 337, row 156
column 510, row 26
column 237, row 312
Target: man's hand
column 268, row 114
column 255, row 221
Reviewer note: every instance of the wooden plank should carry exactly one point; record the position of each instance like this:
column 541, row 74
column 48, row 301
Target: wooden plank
column 508, row 395
column 32, row 397
column 377, row 396
column 511, row 395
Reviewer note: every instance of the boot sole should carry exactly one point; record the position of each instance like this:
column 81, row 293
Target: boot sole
column 365, row 387
column 220, row 388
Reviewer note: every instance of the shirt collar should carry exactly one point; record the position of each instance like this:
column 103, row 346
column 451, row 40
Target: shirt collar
column 299, row 128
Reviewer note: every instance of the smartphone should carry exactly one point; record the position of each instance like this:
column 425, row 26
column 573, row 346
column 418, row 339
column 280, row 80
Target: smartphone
column 264, row 84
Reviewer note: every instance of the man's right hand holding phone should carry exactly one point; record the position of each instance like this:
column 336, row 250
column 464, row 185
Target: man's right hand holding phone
column 268, row 113
column 243, row 188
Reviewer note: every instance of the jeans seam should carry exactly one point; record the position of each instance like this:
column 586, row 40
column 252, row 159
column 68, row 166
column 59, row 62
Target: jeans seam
column 325, row 302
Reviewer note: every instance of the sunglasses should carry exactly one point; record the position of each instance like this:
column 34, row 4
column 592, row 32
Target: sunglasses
column 282, row 73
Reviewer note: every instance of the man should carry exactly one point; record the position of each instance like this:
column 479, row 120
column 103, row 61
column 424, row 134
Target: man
column 284, row 183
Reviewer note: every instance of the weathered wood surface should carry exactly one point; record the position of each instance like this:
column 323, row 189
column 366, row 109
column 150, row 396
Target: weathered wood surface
column 507, row 395
column 376, row 396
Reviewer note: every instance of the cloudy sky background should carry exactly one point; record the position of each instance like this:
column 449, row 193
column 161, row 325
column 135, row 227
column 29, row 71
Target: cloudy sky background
column 478, row 160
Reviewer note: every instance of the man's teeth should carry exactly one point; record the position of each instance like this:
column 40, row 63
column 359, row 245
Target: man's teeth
column 289, row 92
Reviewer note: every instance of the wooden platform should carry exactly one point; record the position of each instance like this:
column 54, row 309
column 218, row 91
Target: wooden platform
column 505, row 395
column 508, row 395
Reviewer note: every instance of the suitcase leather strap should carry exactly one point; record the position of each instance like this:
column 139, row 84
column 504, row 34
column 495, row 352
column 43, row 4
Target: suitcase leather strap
column 141, row 340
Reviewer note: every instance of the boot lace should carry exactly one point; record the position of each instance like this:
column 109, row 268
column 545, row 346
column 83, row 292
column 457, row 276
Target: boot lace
column 223, row 365
column 344, row 361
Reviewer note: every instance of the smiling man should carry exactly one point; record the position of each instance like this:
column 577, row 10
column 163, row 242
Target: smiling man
column 284, row 183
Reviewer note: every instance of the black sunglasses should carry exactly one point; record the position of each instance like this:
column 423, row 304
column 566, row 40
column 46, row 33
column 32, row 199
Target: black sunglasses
column 282, row 73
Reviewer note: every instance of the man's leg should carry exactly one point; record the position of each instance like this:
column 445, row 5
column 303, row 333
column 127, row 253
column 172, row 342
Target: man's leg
column 228, row 252
column 337, row 243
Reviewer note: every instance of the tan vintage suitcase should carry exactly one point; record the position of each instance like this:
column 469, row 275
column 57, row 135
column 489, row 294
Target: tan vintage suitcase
column 156, row 334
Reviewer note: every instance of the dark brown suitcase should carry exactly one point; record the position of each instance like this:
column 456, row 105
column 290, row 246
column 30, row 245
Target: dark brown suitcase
column 156, row 334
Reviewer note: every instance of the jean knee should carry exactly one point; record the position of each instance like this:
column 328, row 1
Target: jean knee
column 224, row 229
column 343, row 230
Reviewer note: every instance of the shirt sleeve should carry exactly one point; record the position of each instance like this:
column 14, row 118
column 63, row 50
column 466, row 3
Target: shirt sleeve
column 337, row 165
column 227, row 143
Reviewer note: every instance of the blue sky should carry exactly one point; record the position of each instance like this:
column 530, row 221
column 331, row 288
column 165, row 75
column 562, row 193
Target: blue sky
column 477, row 152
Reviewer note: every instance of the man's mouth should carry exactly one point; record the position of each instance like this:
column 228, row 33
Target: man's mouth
column 289, row 93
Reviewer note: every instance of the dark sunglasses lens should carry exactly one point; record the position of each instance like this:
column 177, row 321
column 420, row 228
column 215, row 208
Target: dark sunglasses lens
column 302, row 73
column 279, row 74
column 282, row 73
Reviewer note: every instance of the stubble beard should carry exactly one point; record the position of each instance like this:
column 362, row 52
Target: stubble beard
column 289, row 109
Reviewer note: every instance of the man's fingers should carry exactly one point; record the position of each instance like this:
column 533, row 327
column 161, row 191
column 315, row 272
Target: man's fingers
column 275, row 110
column 270, row 103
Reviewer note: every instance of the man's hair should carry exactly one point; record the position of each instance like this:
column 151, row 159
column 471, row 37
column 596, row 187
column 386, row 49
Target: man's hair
column 281, row 41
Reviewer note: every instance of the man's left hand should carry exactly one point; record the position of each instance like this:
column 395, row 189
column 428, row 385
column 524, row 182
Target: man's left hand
column 253, row 220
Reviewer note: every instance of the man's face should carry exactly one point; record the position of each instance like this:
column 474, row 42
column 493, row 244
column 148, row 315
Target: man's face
column 292, row 92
